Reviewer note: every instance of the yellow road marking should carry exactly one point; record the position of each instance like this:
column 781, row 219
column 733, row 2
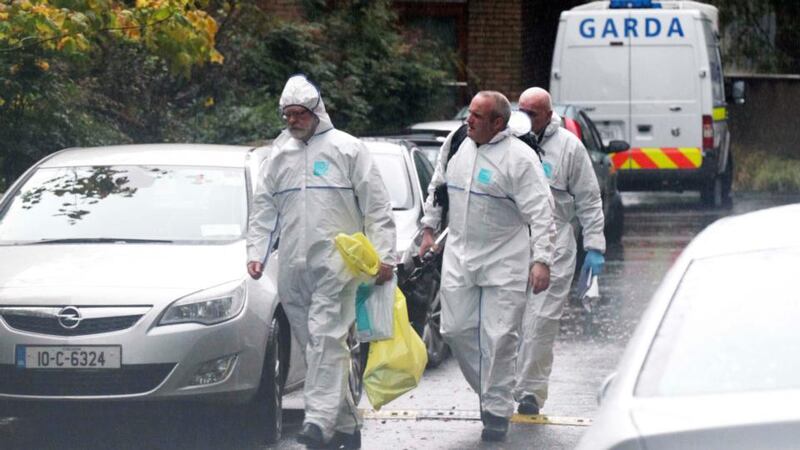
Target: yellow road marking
column 447, row 415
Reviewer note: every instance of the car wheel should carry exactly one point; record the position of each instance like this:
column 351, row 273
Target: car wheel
column 616, row 223
column 358, row 362
column 727, row 183
column 267, row 406
column 711, row 194
column 438, row 350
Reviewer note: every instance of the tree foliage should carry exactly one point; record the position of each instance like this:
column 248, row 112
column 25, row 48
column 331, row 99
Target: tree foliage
column 96, row 72
column 761, row 35
column 54, row 55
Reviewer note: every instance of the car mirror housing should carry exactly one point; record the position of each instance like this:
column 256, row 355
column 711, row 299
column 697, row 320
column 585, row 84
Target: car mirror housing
column 605, row 386
column 617, row 146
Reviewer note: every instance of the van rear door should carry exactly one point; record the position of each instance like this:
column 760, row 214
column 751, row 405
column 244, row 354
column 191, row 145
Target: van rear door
column 593, row 54
column 665, row 90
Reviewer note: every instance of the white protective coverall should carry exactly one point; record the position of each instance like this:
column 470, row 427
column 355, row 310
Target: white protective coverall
column 500, row 222
column 309, row 192
column 575, row 191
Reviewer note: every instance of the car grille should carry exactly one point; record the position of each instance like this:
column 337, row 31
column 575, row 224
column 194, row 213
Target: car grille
column 130, row 379
column 50, row 325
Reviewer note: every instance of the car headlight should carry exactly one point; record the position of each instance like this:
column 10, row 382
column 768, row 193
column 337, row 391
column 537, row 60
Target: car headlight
column 207, row 307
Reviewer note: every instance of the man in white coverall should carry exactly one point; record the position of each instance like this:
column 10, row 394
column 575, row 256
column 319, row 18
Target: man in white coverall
column 318, row 182
column 500, row 241
column 576, row 192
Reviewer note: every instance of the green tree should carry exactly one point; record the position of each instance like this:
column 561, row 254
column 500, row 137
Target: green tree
column 115, row 73
column 51, row 51
column 761, row 35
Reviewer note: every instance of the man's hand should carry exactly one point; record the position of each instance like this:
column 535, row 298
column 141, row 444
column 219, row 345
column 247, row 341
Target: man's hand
column 539, row 277
column 255, row 269
column 427, row 241
column 594, row 260
column 385, row 273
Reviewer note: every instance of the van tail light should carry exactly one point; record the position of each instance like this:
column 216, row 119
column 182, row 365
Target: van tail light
column 708, row 133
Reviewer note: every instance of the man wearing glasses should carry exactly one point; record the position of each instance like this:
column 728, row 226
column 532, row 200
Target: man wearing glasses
column 319, row 182
column 575, row 190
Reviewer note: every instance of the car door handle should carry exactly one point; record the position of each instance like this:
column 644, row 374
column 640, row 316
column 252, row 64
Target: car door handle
column 644, row 128
column 675, row 108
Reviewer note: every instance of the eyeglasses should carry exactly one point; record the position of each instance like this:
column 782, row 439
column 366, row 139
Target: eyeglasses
column 286, row 115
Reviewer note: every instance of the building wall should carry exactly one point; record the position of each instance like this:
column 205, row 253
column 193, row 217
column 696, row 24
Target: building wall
column 767, row 120
column 286, row 9
column 494, row 46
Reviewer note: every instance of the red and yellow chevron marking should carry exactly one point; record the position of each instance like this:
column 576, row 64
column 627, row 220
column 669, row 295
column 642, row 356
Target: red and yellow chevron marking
column 658, row 158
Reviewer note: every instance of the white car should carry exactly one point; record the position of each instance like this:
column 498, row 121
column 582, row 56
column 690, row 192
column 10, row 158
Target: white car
column 713, row 363
column 406, row 172
column 122, row 277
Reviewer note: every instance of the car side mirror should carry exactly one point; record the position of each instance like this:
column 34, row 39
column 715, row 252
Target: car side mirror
column 616, row 146
column 738, row 92
column 604, row 387
column 735, row 90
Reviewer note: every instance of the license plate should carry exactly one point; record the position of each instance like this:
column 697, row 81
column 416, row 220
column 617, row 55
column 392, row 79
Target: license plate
column 72, row 357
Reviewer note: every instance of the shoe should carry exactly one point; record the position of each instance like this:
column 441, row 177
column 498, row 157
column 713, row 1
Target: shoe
column 494, row 427
column 311, row 436
column 346, row 441
column 528, row 405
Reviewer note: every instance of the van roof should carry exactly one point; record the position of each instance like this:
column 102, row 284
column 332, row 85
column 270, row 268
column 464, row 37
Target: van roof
column 709, row 11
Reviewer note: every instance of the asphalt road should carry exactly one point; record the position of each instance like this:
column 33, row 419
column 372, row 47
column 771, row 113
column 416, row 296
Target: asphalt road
column 442, row 413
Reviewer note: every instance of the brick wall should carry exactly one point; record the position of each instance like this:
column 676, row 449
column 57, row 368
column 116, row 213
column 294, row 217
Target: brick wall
column 494, row 55
column 286, row 9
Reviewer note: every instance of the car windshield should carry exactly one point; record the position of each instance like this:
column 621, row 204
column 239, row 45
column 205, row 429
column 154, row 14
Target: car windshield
column 395, row 176
column 127, row 203
column 731, row 326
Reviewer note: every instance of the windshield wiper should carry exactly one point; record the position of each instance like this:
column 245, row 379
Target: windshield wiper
column 100, row 241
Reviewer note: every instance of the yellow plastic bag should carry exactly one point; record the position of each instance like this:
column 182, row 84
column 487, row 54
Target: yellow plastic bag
column 395, row 366
column 358, row 254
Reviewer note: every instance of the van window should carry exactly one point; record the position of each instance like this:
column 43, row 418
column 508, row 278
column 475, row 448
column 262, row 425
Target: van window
column 425, row 172
column 663, row 73
column 599, row 71
column 591, row 137
column 715, row 66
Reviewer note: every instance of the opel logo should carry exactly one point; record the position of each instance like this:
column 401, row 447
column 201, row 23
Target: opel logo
column 69, row 317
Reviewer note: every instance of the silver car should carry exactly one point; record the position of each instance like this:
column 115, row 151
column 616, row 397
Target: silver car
column 122, row 277
column 713, row 363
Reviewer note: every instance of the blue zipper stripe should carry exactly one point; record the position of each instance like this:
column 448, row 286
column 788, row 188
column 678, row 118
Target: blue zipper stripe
column 285, row 191
column 330, row 187
column 482, row 194
column 312, row 187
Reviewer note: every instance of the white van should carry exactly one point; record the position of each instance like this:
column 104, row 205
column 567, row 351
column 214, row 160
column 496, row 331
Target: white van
column 649, row 73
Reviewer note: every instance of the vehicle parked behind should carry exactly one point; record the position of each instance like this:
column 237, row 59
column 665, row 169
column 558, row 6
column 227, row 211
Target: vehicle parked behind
column 578, row 122
column 406, row 171
column 649, row 73
column 713, row 363
column 122, row 278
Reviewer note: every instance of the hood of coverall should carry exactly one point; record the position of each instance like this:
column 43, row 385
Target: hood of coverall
column 553, row 126
column 301, row 92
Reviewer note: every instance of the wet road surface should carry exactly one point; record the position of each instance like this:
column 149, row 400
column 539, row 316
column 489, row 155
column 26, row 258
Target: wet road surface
column 442, row 412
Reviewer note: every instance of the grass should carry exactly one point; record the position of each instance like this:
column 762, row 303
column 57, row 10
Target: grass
column 758, row 170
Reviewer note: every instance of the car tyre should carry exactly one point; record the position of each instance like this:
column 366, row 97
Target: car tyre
column 711, row 194
column 266, row 408
column 615, row 226
column 727, row 183
column 358, row 363
column 437, row 348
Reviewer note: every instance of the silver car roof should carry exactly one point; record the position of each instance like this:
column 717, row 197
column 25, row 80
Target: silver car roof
column 152, row 154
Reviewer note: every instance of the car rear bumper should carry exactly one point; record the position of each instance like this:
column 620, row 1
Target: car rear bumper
column 668, row 179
